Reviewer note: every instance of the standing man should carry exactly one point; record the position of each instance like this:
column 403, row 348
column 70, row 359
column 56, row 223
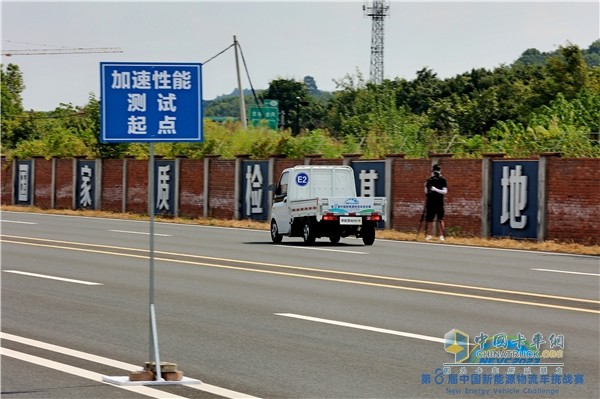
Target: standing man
column 435, row 189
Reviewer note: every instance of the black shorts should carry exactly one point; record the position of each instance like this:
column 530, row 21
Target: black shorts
column 433, row 211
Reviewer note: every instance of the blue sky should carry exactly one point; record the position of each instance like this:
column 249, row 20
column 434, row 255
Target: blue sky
column 279, row 39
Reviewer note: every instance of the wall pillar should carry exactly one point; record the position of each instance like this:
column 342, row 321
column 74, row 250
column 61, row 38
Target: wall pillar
column 349, row 158
column 98, row 187
column 486, row 193
column 124, row 185
column 389, row 187
column 309, row 157
column 542, row 216
column 207, row 162
column 237, row 190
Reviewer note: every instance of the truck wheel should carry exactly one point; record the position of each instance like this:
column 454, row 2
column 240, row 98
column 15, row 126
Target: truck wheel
column 334, row 239
column 307, row 232
column 368, row 234
column 275, row 236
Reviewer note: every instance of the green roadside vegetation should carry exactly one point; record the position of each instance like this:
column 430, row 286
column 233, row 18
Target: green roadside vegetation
column 542, row 102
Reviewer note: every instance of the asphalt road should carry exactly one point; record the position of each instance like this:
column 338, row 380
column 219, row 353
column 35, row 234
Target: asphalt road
column 252, row 319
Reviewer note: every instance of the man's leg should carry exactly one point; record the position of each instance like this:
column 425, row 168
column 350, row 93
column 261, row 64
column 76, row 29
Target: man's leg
column 427, row 229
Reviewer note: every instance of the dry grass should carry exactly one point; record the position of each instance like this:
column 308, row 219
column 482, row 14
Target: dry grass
column 548, row 246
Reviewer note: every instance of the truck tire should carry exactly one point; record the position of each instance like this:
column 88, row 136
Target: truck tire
column 368, row 234
column 307, row 232
column 275, row 236
column 334, row 239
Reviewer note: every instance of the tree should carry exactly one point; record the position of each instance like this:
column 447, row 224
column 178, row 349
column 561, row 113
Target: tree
column 311, row 85
column 592, row 54
column 12, row 104
column 531, row 56
column 568, row 72
column 420, row 93
column 292, row 95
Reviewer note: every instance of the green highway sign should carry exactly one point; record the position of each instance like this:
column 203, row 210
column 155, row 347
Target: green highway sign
column 270, row 114
column 271, row 103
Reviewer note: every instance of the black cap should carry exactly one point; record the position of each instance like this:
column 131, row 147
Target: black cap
column 437, row 168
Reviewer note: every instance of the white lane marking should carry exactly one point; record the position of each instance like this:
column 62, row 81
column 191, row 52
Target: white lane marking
column 139, row 232
column 227, row 393
column 324, row 249
column 83, row 373
column 68, row 280
column 567, row 272
column 262, row 231
column 69, row 352
column 16, row 221
column 440, row 292
column 363, row 327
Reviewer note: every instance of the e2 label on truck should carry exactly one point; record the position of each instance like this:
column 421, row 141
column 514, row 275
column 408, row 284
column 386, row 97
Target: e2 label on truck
column 302, row 179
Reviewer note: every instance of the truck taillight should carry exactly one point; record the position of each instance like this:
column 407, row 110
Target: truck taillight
column 330, row 217
column 374, row 217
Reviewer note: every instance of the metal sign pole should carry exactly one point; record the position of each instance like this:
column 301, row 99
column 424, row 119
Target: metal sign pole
column 153, row 331
column 128, row 116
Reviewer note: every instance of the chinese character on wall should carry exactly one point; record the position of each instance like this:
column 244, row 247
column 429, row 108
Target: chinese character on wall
column 254, row 189
column 85, row 187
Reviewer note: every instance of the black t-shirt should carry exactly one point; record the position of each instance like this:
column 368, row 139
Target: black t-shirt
column 438, row 182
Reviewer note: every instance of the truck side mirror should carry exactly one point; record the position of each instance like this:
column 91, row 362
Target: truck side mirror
column 276, row 189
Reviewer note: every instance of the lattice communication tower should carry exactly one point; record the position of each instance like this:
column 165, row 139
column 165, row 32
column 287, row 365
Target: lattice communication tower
column 377, row 10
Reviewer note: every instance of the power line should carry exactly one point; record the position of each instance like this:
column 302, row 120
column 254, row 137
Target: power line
column 56, row 51
column 250, row 80
column 218, row 54
column 245, row 68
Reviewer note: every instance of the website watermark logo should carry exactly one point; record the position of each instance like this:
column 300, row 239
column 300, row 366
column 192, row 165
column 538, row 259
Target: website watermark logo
column 457, row 342
column 503, row 363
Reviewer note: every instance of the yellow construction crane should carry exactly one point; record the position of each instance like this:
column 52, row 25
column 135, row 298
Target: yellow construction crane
column 52, row 51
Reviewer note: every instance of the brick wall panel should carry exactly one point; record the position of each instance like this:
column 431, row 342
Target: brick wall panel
column 191, row 188
column 112, row 185
column 462, row 204
column 326, row 162
column 463, row 201
column 42, row 196
column 137, row 186
column 221, row 203
column 6, row 182
column 63, row 196
column 283, row 163
column 408, row 178
column 573, row 200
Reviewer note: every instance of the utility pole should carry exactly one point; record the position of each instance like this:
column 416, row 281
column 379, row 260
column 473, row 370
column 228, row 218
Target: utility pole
column 239, row 79
column 378, row 10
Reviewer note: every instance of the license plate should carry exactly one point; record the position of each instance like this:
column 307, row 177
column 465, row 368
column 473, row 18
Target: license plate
column 351, row 220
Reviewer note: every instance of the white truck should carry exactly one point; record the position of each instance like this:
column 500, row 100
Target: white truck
column 320, row 201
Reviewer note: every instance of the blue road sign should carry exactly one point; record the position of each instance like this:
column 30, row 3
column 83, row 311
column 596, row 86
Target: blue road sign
column 515, row 199
column 147, row 102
